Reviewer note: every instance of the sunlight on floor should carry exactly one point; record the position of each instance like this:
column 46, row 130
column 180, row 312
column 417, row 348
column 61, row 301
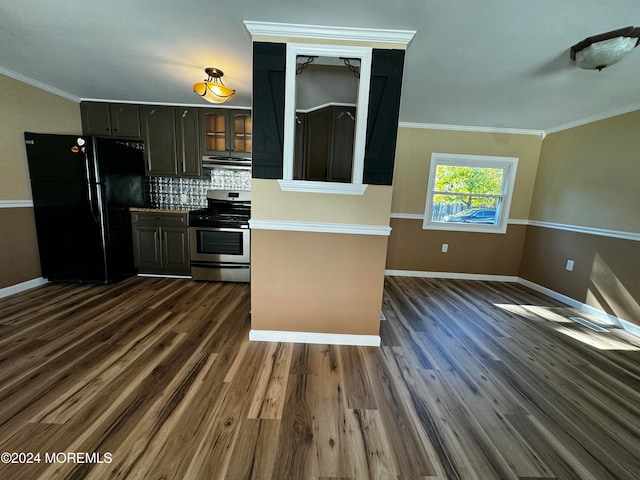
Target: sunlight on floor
column 560, row 319
column 534, row 312
column 596, row 340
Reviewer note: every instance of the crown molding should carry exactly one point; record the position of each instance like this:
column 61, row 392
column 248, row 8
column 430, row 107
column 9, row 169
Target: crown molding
column 471, row 128
column 320, row 32
column 38, row 84
column 164, row 104
column 594, row 118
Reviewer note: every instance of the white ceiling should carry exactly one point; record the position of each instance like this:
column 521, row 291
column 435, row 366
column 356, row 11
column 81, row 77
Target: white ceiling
column 496, row 63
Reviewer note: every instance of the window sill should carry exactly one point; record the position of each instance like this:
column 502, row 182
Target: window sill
column 322, row 187
column 462, row 227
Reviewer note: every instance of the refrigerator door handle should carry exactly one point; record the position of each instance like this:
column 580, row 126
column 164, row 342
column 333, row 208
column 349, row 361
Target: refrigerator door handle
column 89, row 189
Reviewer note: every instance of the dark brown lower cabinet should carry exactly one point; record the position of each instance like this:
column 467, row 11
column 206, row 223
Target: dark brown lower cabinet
column 161, row 243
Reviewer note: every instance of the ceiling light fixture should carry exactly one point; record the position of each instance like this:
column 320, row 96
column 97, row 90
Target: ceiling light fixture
column 600, row 51
column 212, row 89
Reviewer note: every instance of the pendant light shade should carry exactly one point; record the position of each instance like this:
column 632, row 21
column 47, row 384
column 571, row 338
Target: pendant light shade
column 212, row 89
column 601, row 51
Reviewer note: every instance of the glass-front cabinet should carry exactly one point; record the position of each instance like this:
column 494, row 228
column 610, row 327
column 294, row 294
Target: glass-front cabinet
column 242, row 132
column 226, row 132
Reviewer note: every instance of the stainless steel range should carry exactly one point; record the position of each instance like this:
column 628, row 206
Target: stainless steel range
column 220, row 237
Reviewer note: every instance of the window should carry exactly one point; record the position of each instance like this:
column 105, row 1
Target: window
column 469, row 192
column 297, row 101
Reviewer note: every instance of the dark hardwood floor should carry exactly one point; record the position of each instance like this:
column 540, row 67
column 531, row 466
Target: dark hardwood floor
column 156, row 379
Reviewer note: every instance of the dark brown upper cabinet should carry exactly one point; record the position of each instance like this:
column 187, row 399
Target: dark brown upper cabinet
column 159, row 134
column 171, row 137
column 189, row 159
column 119, row 120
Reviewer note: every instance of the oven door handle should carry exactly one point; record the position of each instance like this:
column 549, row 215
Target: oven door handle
column 219, row 265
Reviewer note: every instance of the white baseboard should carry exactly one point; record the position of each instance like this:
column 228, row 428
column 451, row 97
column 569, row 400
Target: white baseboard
column 313, row 337
column 630, row 327
column 21, row 287
column 604, row 316
column 452, row 275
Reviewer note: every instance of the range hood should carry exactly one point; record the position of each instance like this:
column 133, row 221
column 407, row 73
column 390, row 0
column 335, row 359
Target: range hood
column 232, row 163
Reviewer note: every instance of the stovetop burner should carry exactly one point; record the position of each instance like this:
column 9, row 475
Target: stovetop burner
column 210, row 218
column 226, row 209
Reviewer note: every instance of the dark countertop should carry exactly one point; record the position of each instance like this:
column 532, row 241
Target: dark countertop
column 157, row 210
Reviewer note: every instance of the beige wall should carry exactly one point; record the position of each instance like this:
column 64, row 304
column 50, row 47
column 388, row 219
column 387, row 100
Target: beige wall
column 317, row 282
column 27, row 108
column 590, row 175
column 19, row 259
column 606, row 274
column 585, row 177
column 413, row 155
column 412, row 248
column 372, row 208
column 24, row 108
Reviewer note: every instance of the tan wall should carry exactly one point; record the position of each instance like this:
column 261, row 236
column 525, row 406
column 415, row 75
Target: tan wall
column 316, row 282
column 605, row 274
column 24, row 108
column 413, row 155
column 270, row 203
column 412, row 248
column 589, row 175
column 19, row 259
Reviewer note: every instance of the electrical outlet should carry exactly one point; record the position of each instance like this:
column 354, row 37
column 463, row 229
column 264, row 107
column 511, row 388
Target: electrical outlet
column 570, row 265
column 445, row 247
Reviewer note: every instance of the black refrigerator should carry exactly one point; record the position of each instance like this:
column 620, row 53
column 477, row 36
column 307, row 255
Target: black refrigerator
column 82, row 189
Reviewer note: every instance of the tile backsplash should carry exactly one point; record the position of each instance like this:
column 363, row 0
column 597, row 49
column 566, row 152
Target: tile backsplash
column 191, row 193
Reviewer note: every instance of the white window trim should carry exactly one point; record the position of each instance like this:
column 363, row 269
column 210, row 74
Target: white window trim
column 509, row 164
column 356, row 187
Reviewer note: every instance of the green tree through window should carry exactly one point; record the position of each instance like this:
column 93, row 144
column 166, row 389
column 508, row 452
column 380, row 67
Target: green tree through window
column 469, row 192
